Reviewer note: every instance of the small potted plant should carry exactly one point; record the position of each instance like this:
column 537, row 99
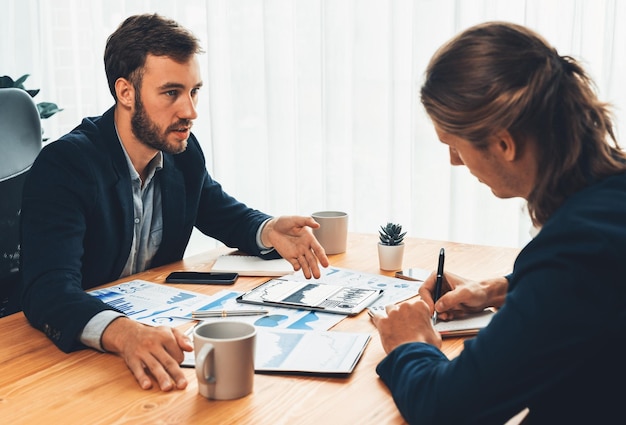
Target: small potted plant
column 391, row 247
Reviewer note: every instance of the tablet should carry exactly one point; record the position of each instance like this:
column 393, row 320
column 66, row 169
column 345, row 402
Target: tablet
column 311, row 296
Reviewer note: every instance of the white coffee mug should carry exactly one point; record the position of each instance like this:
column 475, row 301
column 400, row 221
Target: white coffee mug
column 224, row 352
column 333, row 231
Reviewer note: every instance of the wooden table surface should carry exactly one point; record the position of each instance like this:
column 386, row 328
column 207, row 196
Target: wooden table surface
column 41, row 384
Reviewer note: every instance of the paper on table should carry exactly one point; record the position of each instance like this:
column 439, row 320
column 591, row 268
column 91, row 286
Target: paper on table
column 247, row 265
column 309, row 352
column 276, row 318
column 157, row 304
column 395, row 290
column 151, row 303
column 466, row 326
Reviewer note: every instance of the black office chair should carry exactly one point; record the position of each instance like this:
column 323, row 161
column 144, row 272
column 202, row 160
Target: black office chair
column 20, row 143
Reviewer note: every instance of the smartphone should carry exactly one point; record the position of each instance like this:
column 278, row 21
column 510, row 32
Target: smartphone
column 211, row 278
column 413, row 273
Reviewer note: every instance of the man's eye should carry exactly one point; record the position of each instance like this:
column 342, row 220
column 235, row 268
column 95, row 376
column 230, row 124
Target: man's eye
column 171, row 92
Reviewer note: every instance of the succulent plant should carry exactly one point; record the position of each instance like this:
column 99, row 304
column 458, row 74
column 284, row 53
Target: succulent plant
column 391, row 234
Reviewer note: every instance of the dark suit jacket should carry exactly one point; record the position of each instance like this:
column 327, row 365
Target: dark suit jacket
column 553, row 346
column 77, row 223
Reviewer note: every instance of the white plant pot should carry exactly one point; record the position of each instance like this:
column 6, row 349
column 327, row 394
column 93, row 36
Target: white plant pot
column 390, row 257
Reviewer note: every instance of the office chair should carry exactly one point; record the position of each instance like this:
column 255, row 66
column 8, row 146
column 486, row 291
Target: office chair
column 20, row 143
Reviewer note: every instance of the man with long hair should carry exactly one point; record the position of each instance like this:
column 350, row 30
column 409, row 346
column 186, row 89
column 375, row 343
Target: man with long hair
column 526, row 122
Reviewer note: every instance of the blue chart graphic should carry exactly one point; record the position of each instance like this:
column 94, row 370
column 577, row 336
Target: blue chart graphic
column 129, row 308
column 283, row 345
column 331, row 270
column 271, row 320
column 303, row 323
column 307, row 351
column 219, row 303
column 149, row 302
column 181, row 296
column 155, row 314
column 124, row 306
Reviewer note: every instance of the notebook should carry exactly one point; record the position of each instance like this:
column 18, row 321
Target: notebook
column 248, row 265
column 466, row 326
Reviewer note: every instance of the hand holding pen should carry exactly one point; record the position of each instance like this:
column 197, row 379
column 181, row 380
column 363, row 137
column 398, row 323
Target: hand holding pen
column 437, row 293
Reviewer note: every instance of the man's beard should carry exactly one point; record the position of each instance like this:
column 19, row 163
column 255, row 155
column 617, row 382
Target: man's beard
column 147, row 132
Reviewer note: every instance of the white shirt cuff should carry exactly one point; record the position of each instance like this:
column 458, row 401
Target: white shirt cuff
column 259, row 242
column 92, row 333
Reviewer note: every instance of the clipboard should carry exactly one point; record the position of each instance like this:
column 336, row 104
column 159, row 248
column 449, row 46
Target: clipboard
column 311, row 296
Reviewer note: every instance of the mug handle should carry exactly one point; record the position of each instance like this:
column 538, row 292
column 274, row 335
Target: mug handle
column 203, row 365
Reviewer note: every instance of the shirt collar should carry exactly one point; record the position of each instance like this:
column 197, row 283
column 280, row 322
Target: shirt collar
column 153, row 166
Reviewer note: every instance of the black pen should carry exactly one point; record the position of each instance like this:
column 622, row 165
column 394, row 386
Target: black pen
column 437, row 294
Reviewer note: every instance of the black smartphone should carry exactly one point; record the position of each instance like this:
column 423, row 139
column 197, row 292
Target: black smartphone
column 211, row 278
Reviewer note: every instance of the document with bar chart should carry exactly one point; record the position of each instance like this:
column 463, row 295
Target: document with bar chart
column 151, row 303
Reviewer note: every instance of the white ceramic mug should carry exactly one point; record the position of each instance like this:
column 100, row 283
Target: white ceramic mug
column 224, row 352
column 333, row 231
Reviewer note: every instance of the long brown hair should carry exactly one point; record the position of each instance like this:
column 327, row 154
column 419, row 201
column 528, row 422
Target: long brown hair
column 501, row 76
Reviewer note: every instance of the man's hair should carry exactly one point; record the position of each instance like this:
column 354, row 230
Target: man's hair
column 140, row 35
column 500, row 76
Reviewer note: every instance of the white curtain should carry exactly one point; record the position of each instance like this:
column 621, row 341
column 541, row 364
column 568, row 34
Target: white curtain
column 314, row 104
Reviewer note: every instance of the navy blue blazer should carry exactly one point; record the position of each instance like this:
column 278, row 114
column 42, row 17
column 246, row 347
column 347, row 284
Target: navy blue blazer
column 77, row 223
column 552, row 347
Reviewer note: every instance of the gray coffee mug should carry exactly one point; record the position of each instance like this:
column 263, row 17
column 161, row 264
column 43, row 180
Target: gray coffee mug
column 224, row 352
column 333, row 231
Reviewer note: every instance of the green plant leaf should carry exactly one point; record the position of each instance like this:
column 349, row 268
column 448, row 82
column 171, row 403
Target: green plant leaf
column 6, row 82
column 47, row 109
column 20, row 81
column 391, row 234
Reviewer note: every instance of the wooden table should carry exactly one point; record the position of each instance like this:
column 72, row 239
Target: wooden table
column 41, row 384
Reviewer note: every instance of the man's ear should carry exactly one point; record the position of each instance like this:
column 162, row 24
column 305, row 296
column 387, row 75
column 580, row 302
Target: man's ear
column 125, row 92
column 506, row 145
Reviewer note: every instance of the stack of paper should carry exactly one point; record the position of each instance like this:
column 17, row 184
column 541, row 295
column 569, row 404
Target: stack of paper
column 247, row 265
